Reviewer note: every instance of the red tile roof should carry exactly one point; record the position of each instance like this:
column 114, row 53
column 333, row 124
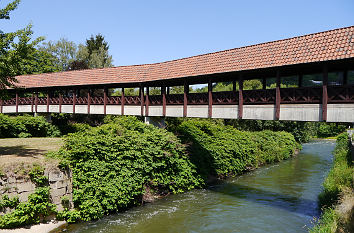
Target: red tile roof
column 323, row 46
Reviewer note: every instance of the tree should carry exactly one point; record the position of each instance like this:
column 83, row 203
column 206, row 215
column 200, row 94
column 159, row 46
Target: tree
column 18, row 52
column 64, row 51
column 94, row 53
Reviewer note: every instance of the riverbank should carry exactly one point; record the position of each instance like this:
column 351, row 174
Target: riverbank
column 39, row 228
column 125, row 163
column 337, row 198
column 277, row 198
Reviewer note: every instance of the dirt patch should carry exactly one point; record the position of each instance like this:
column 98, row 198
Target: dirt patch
column 18, row 153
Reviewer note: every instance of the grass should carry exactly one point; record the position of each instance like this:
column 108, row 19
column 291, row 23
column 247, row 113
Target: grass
column 338, row 190
column 17, row 154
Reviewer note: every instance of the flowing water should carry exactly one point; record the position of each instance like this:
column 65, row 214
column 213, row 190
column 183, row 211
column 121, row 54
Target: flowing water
column 275, row 198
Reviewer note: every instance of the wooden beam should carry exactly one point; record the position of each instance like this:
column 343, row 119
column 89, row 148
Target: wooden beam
column 234, row 86
column 36, row 102
column 105, row 93
column 185, row 98
column 163, row 92
column 74, row 100
column 147, row 102
column 60, row 101
column 47, row 101
column 142, row 99
column 88, row 101
column 32, row 102
column 210, row 98
column 16, row 102
column 324, row 93
column 277, row 96
column 240, row 97
column 122, row 102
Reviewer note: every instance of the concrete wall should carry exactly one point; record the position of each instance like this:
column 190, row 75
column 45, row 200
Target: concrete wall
column 293, row 112
column 60, row 183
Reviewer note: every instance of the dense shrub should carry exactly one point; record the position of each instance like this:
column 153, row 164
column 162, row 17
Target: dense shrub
column 114, row 163
column 339, row 181
column 26, row 126
column 302, row 131
column 222, row 150
column 330, row 129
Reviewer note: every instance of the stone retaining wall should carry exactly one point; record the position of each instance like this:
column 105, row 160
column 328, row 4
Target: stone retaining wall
column 60, row 183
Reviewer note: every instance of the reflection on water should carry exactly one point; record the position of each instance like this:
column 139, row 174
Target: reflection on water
column 274, row 198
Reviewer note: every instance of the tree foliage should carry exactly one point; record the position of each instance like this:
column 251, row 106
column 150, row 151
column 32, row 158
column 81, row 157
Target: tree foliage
column 63, row 50
column 19, row 54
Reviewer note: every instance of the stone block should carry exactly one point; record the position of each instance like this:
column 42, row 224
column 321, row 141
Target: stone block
column 58, row 192
column 56, row 200
column 62, row 183
column 11, row 180
column 25, row 187
column 55, row 176
column 24, row 196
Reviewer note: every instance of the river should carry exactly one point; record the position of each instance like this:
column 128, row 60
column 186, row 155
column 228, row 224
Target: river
column 275, row 198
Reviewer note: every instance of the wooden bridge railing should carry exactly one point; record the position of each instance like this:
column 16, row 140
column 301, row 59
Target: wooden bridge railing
column 302, row 95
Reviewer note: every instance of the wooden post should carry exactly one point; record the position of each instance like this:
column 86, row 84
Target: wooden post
column 105, row 93
column 324, row 93
column 168, row 90
column 122, row 102
column 88, row 101
column 1, row 104
column 32, row 102
column 300, row 80
column 264, row 83
column 163, row 92
column 147, row 102
column 234, row 86
column 142, row 99
column 47, row 101
column 60, row 101
column 74, row 100
column 185, row 98
column 277, row 96
column 16, row 102
column 36, row 102
column 240, row 97
column 210, row 98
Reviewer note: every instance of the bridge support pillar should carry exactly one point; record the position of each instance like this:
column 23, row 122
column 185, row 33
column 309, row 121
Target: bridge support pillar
column 155, row 121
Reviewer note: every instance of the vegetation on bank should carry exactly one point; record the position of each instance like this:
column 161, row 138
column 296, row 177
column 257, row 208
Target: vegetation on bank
column 117, row 164
column 338, row 184
column 222, row 151
column 35, row 210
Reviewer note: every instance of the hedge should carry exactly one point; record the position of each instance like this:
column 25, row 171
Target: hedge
column 26, row 126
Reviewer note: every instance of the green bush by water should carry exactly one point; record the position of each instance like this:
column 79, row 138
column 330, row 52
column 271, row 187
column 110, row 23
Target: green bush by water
column 222, row 151
column 114, row 163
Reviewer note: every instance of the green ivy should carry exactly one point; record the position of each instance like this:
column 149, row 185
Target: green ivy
column 222, row 151
column 33, row 211
column 113, row 163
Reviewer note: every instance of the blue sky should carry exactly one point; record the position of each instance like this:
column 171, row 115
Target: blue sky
column 153, row 31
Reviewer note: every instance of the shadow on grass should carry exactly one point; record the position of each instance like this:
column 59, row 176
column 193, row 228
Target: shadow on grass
column 20, row 151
